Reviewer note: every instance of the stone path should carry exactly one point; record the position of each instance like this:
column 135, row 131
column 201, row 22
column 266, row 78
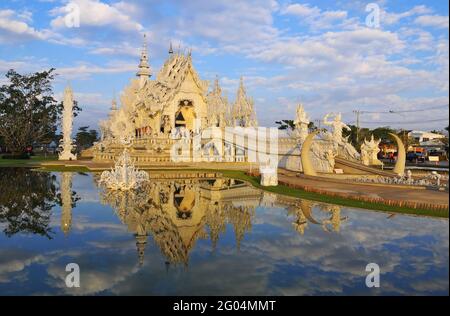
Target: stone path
column 387, row 193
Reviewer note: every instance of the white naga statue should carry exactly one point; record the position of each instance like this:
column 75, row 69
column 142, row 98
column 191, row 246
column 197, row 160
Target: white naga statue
column 337, row 126
column 301, row 124
column 66, row 144
column 369, row 152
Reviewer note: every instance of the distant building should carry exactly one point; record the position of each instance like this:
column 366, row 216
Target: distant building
column 421, row 136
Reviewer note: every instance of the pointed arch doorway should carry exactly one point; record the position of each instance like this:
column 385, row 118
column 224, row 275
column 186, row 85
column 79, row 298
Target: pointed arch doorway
column 185, row 116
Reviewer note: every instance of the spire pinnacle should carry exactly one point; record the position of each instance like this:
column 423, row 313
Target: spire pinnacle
column 114, row 103
column 170, row 48
column 144, row 67
column 141, row 241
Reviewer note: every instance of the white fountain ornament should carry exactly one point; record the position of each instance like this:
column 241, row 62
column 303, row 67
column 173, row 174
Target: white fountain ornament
column 124, row 176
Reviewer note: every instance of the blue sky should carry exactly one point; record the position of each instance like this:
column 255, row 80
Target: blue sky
column 320, row 53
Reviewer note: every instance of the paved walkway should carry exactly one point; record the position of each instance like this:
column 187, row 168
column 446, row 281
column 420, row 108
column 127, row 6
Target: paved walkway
column 373, row 191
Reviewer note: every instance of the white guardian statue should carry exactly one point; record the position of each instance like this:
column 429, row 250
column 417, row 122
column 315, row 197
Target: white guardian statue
column 301, row 124
column 66, row 144
column 337, row 125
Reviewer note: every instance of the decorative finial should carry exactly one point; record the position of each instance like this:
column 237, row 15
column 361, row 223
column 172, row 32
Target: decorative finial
column 141, row 241
column 170, row 48
column 144, row 68
column 114, row 103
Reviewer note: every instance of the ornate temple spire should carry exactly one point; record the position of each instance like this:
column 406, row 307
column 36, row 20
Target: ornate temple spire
column 114, row 104
column 67, row 122
column 243, row 112
column 216, row 88
column 144, row 71
column 66, row 202
column 141, row 242
column 217, row 106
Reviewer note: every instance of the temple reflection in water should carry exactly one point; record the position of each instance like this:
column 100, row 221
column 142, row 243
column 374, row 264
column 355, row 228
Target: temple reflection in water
column 178, row 211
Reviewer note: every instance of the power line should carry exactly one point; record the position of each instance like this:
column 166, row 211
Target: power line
column 404, row 122
column 405, row 111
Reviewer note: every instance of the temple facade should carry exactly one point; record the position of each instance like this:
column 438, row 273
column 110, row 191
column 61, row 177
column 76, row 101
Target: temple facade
column 178, row 117
column 177, row 104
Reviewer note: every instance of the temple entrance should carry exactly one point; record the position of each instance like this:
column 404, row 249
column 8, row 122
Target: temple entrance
column 185, row 116
column 184, row 200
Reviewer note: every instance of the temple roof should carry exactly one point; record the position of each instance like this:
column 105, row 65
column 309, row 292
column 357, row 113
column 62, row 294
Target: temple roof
column 156, row 94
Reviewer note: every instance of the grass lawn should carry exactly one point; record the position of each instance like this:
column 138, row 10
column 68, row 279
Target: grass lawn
column 33, row 161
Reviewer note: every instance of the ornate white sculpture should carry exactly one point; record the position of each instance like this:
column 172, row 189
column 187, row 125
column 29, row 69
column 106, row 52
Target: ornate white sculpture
column 269, row 176
column 66, row 201
column 432, row 179
column 436, row 176
column 124, row 176
column 301, row 124
column 330, row 156
column 369, row 152
column 337, row 126
column 66, row 144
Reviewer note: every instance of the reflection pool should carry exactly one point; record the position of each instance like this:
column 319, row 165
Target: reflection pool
column 201, row 236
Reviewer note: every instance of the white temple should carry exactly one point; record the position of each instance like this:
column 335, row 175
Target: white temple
column 175, row 105
column 175, row 118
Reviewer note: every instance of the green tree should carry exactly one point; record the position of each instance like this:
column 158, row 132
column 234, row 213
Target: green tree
column 28, row 111
column 285, row 124
column 85, row 138
column 356, row 137
column 289, row 124
column 312, row 127
column 26, row 200
column 383, row 133
column 2, row 143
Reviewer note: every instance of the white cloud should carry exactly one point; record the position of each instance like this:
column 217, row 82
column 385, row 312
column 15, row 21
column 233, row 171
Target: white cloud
column 301, row 10
column 392, row 18
column 14, row 27
column 94, row 13
column 84, row 70
column 437, row 21
column 315, row 17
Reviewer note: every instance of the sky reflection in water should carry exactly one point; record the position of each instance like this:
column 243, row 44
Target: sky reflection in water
column 190, row 237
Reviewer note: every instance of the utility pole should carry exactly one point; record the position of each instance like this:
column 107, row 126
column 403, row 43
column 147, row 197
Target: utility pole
column 358, row 113
column 318, row 121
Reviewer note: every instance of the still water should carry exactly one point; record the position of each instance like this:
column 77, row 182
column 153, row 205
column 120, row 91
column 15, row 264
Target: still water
column 205, row 237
